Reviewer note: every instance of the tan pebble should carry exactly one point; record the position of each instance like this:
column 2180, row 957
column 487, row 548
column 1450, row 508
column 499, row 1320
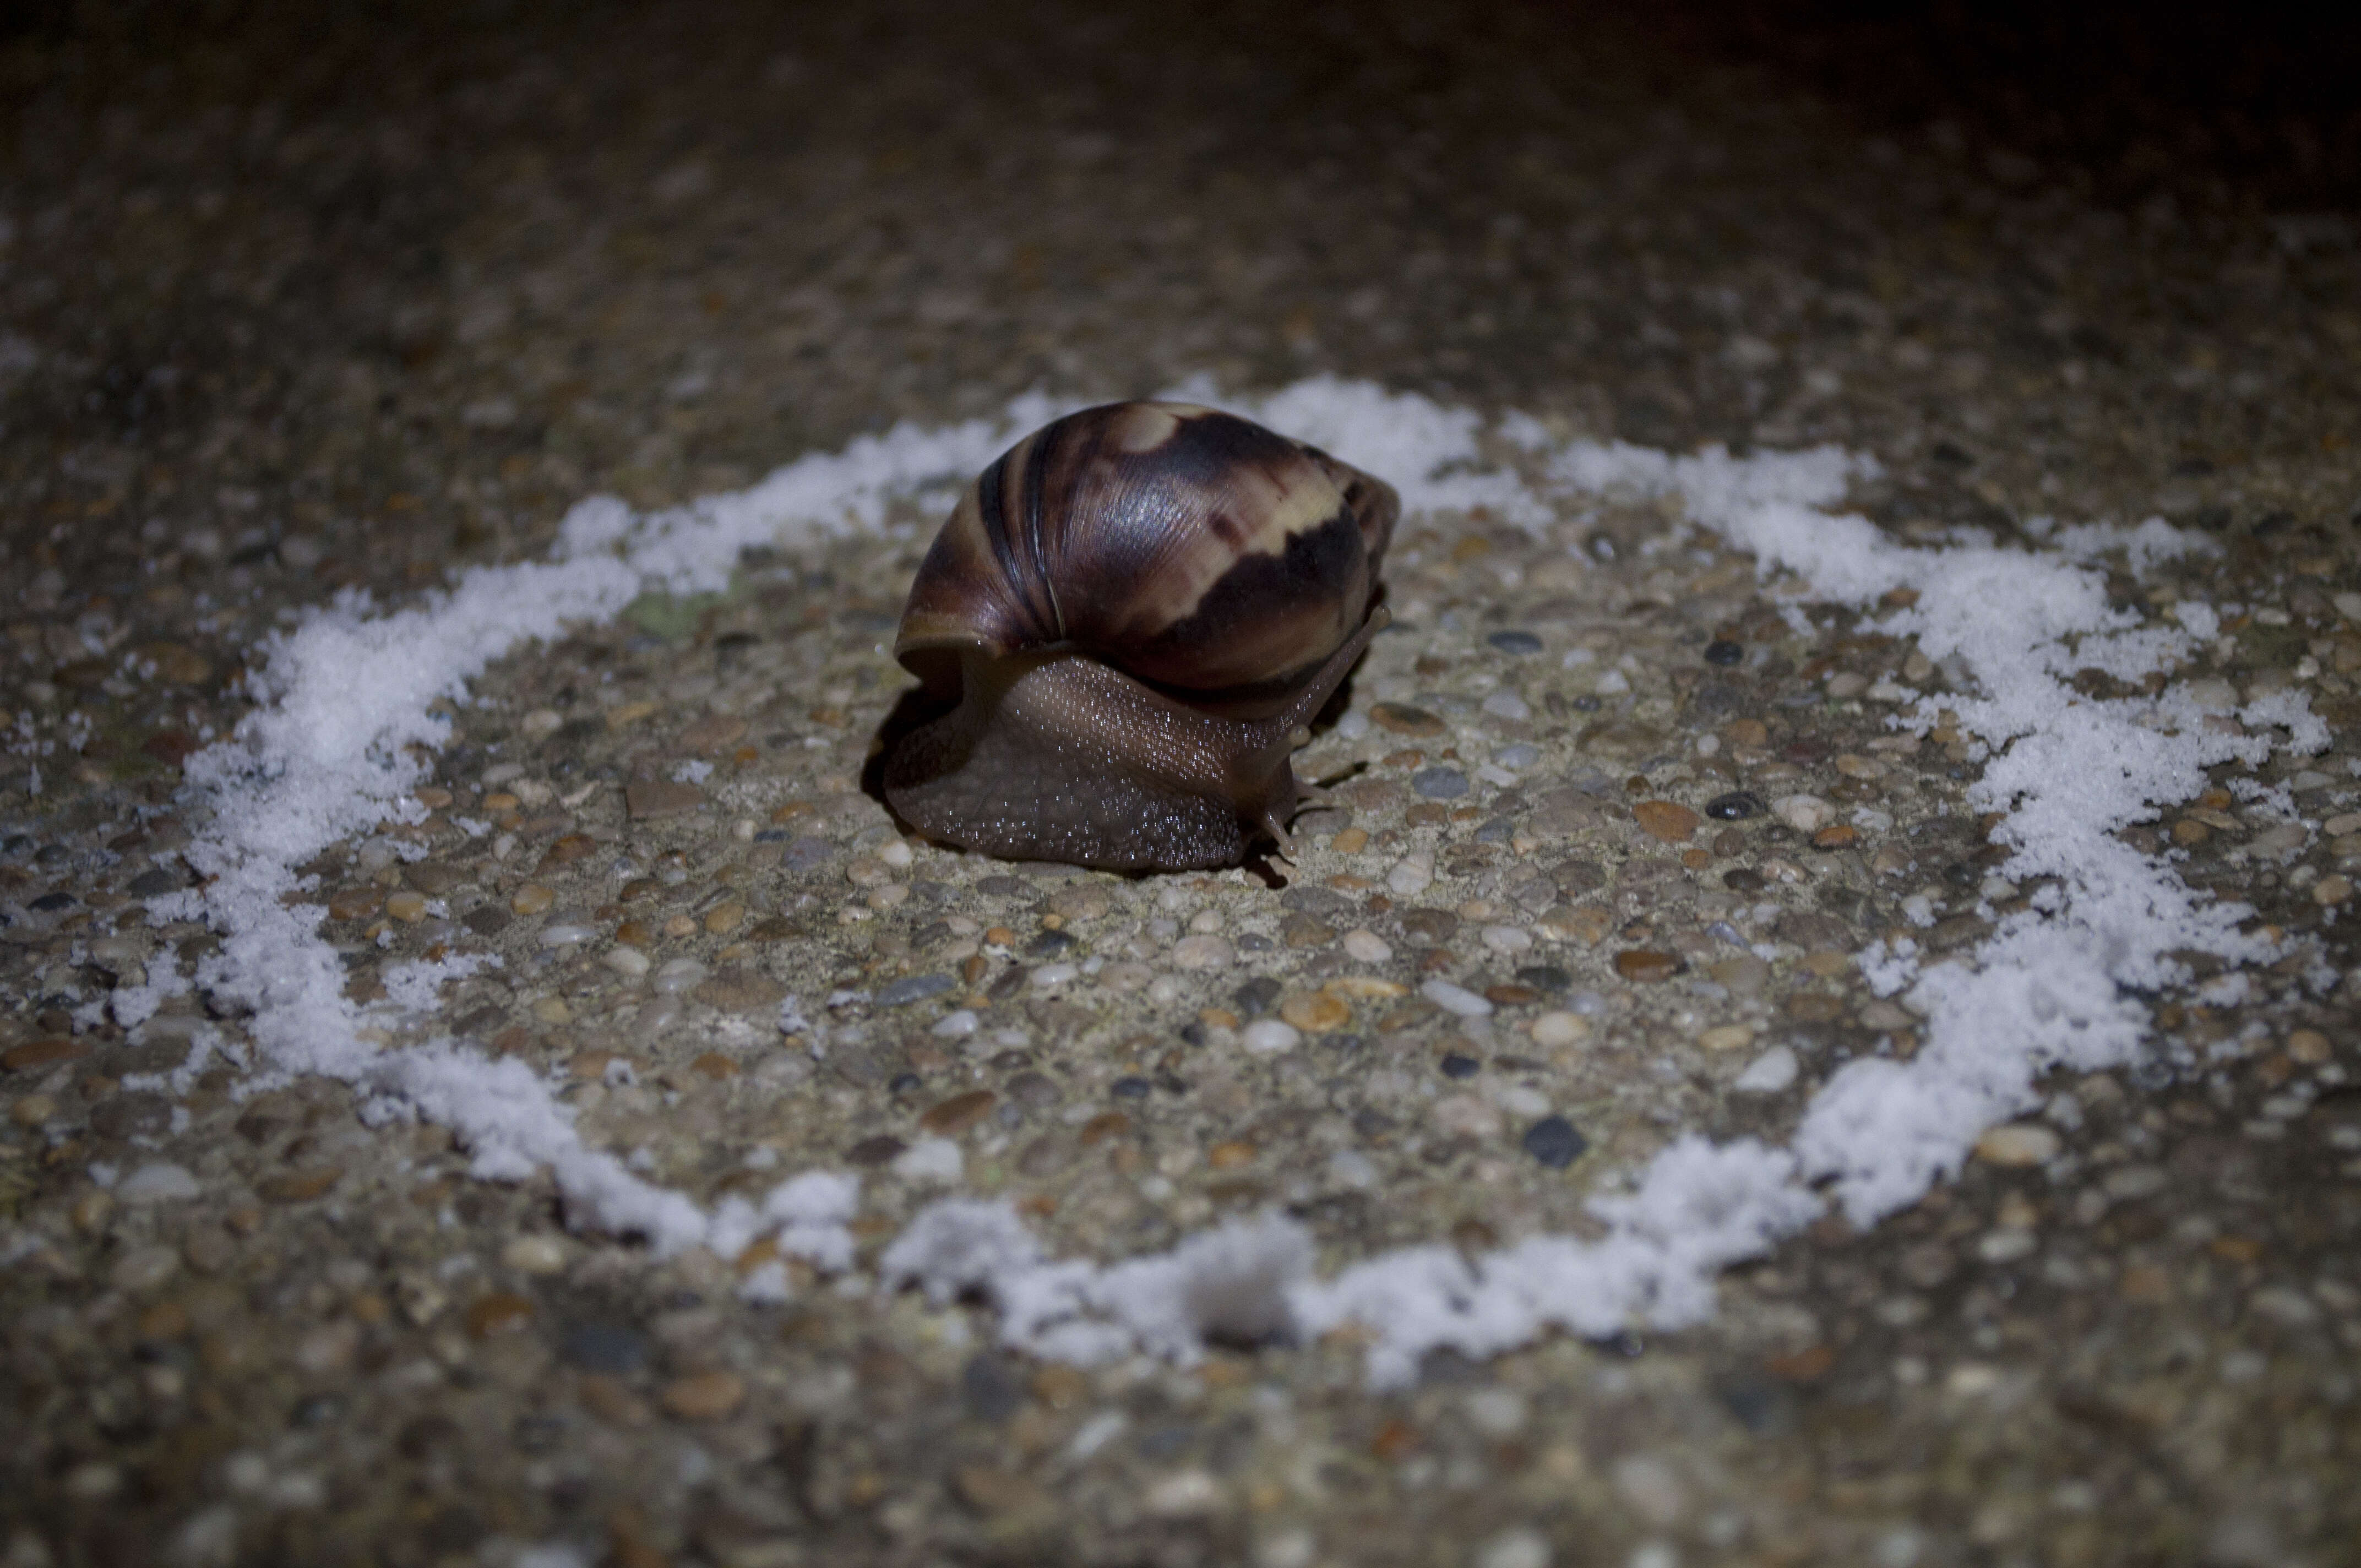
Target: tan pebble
column 862, row 870
column 1403, row 719
column 956, row 1115
column 1827, row 964
column 1231, row 1155
column 704, row 1395
column 1203, row 952
column 725, row 917
column 1104, row 1125
column 680, row 926
column 1351, row 841
column 39, row 1053
column 1316, row 1014
column 1667, row 820
column 1645, row 967
column 552, row 1010
column 1727, row 1038
column 999, row 936
column 535, row 1255
column 2018, row 1143
column 2308, row 1046
column 1469, row 1114
column 1365, row 946
column 1741, row 975
column 613, row 1403
column 988, row 1490
column 1803, row 813
column 2333, row 889
column 32, row 1111
column 501, row 1312
column 355, row 902
column 501, row 800
column 1366, row 987
column 406, row 907
column 2189, row 832
column 715, row 1066
column 626, row 961
column 531, row 899
column 1587, row 924
column 629, row 713
column 299, row 1186
column 1560, row 1028
column 1748, row 734
column 1853, row 766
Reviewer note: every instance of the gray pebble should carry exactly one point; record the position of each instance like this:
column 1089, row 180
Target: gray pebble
column 914, row 987
column 1439, row 783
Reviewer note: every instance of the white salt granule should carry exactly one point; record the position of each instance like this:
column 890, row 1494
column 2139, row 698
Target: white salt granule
column 348, row 701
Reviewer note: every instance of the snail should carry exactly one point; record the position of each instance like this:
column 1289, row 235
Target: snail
column 1132, row 617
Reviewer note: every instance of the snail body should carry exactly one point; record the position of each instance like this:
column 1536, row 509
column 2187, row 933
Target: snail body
column 1131, row 618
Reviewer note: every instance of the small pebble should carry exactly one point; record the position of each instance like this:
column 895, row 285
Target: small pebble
column 1644, row 965
column 955, row 1026
column 916, row 988
column 1727, row 1036
column 1364, row 945
column 1508, row 939
column 406, row 907
column 531, row 899
column 704, row 1395
column 2017, row 1145
column 1203, row 952
column 535, row 1255
column 1554, row 1142
column 1318, row 1013
column 1467, row 1116
column 1439, row 783
column 1521, row 643
column 1769, row 1074
column 566, row 933
column 159, row 1182
column 1664, row 819
column 1560, row 1028
column 1507, row 704
column 1803, row 813
column 1411, row 875
column 1267, row 1036
column 680, row 975
column 1456, row 1065
column 1050, row 976
column 1455, row 998
column 629, row 962
column 1736, row 806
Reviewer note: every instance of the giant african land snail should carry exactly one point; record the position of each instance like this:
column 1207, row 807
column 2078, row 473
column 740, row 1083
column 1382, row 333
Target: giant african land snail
column 1136, row 611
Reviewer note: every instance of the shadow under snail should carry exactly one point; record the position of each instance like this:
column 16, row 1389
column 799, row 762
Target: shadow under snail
column 1132, row 617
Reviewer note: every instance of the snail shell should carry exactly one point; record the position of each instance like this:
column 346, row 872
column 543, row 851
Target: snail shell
column 1133, row 614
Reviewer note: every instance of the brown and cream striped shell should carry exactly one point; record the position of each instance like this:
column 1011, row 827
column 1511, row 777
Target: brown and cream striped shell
column 1127, row 621
column 1189, row 548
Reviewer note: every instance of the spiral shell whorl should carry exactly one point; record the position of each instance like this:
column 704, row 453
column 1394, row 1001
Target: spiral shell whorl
column 1184, row 546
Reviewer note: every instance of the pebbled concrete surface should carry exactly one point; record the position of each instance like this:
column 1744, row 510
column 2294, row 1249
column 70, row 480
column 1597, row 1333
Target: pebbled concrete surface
column 294, row 304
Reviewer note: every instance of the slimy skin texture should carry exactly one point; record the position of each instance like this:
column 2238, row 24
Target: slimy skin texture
column 1064, row 759
column 1131, row 617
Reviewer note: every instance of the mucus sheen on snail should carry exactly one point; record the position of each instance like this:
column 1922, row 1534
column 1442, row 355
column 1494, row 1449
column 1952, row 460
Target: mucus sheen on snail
column 1129, row 620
